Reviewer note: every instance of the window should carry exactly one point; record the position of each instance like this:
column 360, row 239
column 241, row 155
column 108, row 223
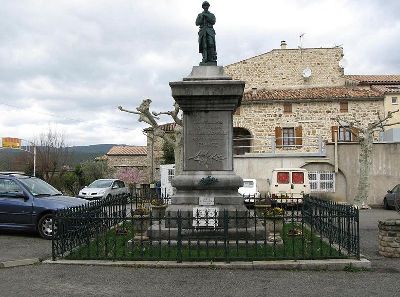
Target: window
column 171, row 174
column 344, row 134
column 322, row 181
column 288, row 136
column 287, row 107
column 282, row 177
column 298, row 177
column 9, row 186
column 344, row 106
column 394, row 100
column 241, row 141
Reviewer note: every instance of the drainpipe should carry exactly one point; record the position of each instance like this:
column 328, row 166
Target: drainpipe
column 336, row 152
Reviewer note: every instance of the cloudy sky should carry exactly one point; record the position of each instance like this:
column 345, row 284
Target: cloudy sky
column 67, row 65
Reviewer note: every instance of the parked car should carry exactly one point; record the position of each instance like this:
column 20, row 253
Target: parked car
column 28, row 203
column 391, row 197
column 249, row 191
column 289, row 185
column 102, row 188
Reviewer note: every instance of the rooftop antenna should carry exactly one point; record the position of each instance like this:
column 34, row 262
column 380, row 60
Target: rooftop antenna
column 301, row 39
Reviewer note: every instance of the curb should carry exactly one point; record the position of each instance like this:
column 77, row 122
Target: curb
column 22, row 262
column 330, row 264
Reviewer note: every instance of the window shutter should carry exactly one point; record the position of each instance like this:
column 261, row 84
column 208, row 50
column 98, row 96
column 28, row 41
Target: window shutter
column 278, row 136
column 354, row 134
column 335, row 130
column 298, row 133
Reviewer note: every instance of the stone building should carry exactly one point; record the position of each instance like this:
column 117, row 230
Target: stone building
column 289, row 118
column 125, row 156
column 290, row 111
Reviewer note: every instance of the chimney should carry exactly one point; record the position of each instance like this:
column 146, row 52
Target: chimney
column 283, row 44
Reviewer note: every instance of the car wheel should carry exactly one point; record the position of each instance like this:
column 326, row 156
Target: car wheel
column 45, row 226
column 385, row 204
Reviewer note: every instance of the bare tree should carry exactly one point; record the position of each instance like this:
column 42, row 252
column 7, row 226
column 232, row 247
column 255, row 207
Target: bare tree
column 366, row 133
column 52, row 154
column 151, row 118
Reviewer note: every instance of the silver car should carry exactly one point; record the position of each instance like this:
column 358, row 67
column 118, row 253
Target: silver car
column 102, row 188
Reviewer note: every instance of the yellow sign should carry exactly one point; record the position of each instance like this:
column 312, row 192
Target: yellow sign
column 9, row 142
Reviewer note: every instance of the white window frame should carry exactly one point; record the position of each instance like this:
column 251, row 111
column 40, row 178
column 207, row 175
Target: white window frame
column 322, row 181
column 395, row 101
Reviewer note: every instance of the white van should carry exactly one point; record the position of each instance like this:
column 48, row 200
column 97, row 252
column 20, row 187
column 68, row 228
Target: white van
column 289, row 183
column 249, row 191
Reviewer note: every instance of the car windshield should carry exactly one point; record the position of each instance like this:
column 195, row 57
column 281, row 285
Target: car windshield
column 38, row 187
column 100, row 184
column 248, row 184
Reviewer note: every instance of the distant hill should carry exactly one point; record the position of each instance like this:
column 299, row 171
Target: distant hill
column 78, row 154
column 83, row 153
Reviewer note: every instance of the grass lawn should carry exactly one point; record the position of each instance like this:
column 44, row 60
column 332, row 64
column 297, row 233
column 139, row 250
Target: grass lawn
column 114, row 246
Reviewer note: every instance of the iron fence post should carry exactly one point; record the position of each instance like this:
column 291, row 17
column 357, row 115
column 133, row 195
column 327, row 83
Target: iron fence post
column 179, row 238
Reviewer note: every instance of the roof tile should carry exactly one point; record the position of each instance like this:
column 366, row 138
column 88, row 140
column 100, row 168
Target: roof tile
column 311, row 93
column 127, row 150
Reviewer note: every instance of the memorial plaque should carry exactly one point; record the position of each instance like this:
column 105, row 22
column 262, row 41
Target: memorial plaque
column 206, row 200
column 205, row 217
column 208, row 141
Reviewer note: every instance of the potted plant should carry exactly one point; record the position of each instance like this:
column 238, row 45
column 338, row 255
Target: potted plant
column 261, row 206
column 141, row 219
column 158, row 208
column 273, row 218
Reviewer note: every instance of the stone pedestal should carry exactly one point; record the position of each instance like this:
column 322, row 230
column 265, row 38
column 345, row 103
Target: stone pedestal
column 389, row 238
column 208, row 99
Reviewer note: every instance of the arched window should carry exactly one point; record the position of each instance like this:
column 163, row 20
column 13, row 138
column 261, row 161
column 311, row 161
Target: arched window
column 241, row 141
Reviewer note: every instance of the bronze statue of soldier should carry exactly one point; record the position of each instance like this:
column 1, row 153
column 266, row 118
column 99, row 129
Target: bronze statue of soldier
column 207, row 46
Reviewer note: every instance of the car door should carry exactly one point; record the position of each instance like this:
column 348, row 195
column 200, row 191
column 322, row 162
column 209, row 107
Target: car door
column 16, row 208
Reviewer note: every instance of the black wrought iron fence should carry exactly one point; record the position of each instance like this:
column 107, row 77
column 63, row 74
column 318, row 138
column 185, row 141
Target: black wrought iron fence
column 115, row 229
column 337, row 223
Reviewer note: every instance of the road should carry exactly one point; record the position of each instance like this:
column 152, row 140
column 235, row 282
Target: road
column 66, row 280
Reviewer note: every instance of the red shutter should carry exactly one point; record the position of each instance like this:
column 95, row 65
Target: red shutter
column 278, row 136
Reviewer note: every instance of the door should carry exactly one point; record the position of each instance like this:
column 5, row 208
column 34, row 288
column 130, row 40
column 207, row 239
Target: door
column 15, row 208
column 297, row 184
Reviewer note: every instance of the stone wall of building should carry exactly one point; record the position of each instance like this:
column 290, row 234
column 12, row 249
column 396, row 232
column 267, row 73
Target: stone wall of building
column 315, row 118
column 389, row 238
column 126, row 161
column 392, row 107
column 283, row 68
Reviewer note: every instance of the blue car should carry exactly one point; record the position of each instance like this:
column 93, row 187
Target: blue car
column 28, row 203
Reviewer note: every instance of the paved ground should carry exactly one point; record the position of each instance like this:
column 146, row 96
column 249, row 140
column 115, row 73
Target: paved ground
column 369, row 239
column 59, row 280
column 66, row 280
column 23, row 245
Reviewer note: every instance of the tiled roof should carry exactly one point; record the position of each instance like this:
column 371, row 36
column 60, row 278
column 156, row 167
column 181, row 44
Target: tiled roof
column 169, row 127
column 127, row 150
column 310, row 93
column 375, row 79
column 387, row 88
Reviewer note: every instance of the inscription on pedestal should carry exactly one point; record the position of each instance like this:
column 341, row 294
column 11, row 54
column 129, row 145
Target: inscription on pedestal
column 208, row 141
